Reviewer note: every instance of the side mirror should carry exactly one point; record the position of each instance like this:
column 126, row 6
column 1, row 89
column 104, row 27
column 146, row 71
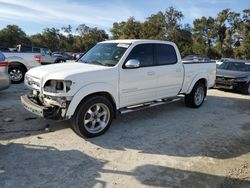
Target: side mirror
column 132, row 64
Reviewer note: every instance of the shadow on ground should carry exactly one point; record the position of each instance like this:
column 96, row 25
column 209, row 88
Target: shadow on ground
column 169, row 177
column 218, row 132
column 218, row 129
column 42, row 166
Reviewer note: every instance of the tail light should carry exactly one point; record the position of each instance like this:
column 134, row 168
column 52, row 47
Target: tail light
column 4, row 64
column 38, row 58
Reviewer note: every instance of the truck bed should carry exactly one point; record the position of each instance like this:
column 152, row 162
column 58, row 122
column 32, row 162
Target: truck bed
column 193, row 69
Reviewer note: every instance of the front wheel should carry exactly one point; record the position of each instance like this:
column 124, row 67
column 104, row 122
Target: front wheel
column 16, row 74
column 93, row 117
column 246, row 89
column 196, row 98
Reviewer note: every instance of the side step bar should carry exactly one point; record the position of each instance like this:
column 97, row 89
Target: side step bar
column 148, row 105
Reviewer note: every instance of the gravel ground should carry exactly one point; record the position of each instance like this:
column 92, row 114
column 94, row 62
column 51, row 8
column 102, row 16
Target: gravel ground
column 165, row 146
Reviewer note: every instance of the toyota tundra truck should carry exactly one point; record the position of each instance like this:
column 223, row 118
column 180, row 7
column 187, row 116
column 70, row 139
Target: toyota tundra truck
column 115, row 76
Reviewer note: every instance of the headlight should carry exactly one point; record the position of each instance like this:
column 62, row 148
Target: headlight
column 57, row 86
column 243, row 79
column 32, row 81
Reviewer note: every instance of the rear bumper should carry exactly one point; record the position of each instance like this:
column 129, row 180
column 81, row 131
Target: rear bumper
column 4, row 81
column 51, row 112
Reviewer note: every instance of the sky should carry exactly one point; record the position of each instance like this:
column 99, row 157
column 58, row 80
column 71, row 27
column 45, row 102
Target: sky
column 35, row 15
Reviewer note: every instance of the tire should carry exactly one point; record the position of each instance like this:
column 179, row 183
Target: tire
column 246, row 89
column 90, row 122
column 59, row 61
column 196, row 98
column 16, row 74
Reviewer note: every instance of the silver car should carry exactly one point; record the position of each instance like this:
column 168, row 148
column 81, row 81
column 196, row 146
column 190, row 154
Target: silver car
column 4, row 76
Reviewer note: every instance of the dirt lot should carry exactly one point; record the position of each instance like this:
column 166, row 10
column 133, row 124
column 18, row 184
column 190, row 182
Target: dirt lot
column 165, row 146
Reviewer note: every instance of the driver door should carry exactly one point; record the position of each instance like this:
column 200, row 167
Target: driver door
column 138, row 85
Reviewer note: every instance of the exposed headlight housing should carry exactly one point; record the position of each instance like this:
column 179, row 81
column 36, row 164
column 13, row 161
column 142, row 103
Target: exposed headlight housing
column 243, row 79
column 32, row 82
column 57, row 86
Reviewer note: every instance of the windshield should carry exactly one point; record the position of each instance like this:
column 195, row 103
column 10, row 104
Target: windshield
column 106, row 54
column 235, row 66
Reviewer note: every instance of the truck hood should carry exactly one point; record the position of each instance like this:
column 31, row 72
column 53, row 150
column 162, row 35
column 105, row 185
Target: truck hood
column 232, row 74
column 63, row 70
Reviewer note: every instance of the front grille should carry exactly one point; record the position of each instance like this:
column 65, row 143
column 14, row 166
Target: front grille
column 225, row 79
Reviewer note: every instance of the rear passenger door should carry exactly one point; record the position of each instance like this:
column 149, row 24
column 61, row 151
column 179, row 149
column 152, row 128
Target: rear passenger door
column 169, row 72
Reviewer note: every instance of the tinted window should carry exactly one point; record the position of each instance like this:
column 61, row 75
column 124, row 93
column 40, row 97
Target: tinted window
column 36, row 50
column 2, row 58
column 238, row 66
column 165, row 54
column 3, row 49
column 223, row 65
column 26, row 49
column 144, row 53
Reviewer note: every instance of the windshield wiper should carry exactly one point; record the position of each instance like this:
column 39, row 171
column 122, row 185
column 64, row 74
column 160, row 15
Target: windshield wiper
column 97, row 63
column 83, row 61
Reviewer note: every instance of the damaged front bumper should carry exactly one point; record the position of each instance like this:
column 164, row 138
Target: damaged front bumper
column 31, row 104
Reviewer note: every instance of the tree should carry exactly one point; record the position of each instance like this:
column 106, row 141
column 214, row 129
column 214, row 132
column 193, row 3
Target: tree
column 13, row 35
column 51, row 37
column 172, row 23
column 126, row 30
column 154, row 27
column 246, row 33
column 203, row 36
column 88, row 37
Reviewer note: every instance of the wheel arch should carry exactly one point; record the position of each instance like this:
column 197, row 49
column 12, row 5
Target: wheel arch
column 104, row 90
column 198, row 78
column 17, row 63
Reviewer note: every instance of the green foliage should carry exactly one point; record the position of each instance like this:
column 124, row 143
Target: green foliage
column 13, row 35
column 226, row 35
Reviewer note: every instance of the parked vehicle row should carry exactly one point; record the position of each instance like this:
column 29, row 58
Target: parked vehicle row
column 27, row 57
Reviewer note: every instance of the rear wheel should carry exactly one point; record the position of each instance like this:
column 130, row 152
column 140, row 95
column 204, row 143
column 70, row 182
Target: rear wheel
column 60, row 61
column 246, row 89
column 16, row 74
column 93, row 117
column 196, row 98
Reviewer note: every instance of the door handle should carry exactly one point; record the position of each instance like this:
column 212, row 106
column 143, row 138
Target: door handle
column 151, row 73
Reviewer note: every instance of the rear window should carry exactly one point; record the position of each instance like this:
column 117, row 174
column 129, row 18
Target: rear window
column 3, row 49
column 165, row 54
column 26, row 49
column 2, row 58
column 37, row 50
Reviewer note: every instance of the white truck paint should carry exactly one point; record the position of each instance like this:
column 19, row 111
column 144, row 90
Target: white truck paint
column 122, row 85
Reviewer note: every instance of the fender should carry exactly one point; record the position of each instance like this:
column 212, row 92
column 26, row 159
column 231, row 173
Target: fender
column 90, row 89
column 195, row 79
column 16, row 59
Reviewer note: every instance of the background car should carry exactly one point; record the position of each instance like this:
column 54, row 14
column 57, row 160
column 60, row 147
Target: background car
column 234, row 75
column 63, row 56
column 23, row 58
column 195, row 58
column 219, row 62
column 4, row 76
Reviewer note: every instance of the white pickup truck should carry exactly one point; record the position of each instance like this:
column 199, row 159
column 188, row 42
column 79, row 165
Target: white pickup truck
column 118, row 75
column 25, row 58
